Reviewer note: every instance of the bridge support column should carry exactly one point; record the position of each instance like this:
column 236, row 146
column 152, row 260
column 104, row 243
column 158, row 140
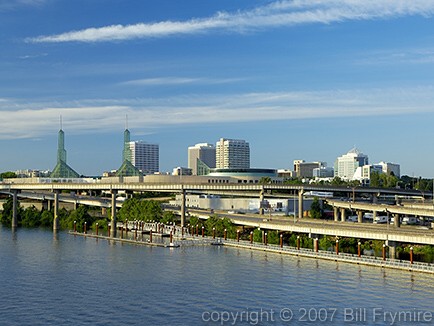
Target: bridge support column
column 392, row 249
column 360, row 216
column 56, row 211
column 183, row 199
column 49, row 205
column 300, row 204
column 397, row 220
column 343, row 215
column 14, row 223
column 261, row 202
column 45, row 205
column 113, row 215
column 336, row 214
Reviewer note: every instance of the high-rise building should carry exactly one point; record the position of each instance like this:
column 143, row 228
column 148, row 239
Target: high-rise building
column 232, row 153
column 347, row 164
column 304, row 169
column 390, row 168
column 201, row 153
column 144, row 156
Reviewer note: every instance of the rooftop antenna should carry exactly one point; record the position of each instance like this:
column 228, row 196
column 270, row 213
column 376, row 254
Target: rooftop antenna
column 61, row 125
column 126, row 121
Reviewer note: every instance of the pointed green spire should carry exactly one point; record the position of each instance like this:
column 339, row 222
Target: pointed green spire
column 62, row 170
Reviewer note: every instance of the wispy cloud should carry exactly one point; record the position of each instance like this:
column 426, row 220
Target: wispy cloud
column 37, row 119
column 276, row 14
column 6, row 5
column 179, row 81
column 33, row 56
column 397, row 56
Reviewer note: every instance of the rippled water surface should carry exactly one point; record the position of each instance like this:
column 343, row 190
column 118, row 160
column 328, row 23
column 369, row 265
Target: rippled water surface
column 70, row 280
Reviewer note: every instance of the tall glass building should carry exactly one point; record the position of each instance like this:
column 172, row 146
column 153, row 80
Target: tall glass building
column 144, row 156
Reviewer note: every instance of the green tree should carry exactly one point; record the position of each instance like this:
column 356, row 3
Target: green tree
column 6, row 216
column 315, row 209
column 326, row 243
column 7, row 175
column 31, row 217
column 273, row 237
column 194, row 220
column 293, row 181
column 140, row 210
column 258, row 235
column 168, row 217
column 46, row 219
column 265, row 180
column 80, row 215
column 131, row 210
column 151, row 210
column 337, row 181
column 220, row 224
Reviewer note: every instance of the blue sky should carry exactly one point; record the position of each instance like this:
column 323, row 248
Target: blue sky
column 296, row 79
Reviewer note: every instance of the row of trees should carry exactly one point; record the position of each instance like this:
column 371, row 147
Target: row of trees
column 133, row 209
column 377, row 180
column 32, row 217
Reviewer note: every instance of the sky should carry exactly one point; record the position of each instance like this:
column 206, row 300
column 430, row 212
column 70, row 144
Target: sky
column 296, row 79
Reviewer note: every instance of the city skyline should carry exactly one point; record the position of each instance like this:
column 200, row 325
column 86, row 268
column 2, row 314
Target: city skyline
column 296, row 80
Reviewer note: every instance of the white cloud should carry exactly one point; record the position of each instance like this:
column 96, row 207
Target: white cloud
column 401, row 56
column 33, row 56
column 6, row 5
column 179, row 81
column 276, row 14
column 95, row 116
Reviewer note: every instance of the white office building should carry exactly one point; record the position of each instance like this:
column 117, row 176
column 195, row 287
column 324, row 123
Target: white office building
column 145, row 156
column 203, row 152
column 347, row 164
column 390, row 168
column 232, row 153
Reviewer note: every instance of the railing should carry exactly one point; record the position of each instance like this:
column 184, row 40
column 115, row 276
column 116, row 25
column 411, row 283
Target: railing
column 369, row 260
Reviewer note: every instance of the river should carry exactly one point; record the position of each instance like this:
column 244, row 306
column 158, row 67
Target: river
column 63, row 279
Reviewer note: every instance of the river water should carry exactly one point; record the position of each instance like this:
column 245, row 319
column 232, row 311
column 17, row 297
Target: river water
column 71, row 280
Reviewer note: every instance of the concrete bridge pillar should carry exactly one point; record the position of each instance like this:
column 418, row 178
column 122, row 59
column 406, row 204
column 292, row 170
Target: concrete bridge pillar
column 14, row 223
column 360, row 216
column 261, row 201
column 56, row 211
column 49, row 205
column 44, row 205
column 183, row 199
column 113, row 215
column 397, row 220
column 103, row 211
column 343, row 215
column 300, row 204
column 336, row 213
column 392, row 249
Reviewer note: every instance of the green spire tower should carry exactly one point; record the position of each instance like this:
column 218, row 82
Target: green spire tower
column 127, row 169
column 62, row 170
column 127, row 151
